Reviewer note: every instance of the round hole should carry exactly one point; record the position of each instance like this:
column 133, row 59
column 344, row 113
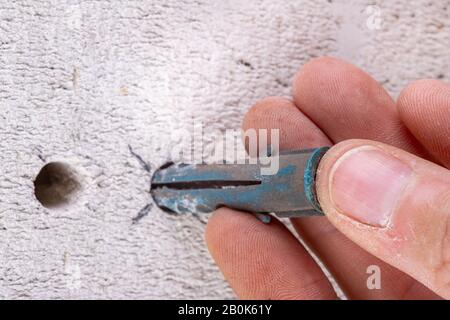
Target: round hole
column 57, row 185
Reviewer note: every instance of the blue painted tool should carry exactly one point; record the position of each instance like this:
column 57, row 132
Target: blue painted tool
column 291, row 192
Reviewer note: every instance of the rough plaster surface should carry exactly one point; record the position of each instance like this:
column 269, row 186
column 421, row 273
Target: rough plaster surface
column 80, row 81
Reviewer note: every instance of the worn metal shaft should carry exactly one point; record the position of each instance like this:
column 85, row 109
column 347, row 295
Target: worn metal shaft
column 290, row 192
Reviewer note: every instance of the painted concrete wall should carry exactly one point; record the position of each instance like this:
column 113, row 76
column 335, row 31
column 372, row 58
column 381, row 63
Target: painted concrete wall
column 83, row 81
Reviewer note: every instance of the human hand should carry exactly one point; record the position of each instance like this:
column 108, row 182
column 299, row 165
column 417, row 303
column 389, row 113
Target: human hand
column 386, row 206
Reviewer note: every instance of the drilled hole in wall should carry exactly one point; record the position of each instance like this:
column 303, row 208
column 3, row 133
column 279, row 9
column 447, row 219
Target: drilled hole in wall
column 57, row 185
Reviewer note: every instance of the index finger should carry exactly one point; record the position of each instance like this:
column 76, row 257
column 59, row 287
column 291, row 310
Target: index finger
column 263, row 261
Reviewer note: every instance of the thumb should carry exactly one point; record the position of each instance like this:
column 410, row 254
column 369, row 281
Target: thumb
column 393, row 204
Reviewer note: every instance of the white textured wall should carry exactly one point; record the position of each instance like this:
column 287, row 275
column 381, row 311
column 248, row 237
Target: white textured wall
column 82, row 80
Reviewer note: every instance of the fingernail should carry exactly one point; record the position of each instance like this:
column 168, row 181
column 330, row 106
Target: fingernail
column 366, row 184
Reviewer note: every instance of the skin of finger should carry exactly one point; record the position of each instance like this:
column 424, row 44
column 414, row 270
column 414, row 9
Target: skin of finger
column 334, row 249
column 346, row 103
column 424, row 106
column 263, row 261
column 417, row 239
column 281, row 113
